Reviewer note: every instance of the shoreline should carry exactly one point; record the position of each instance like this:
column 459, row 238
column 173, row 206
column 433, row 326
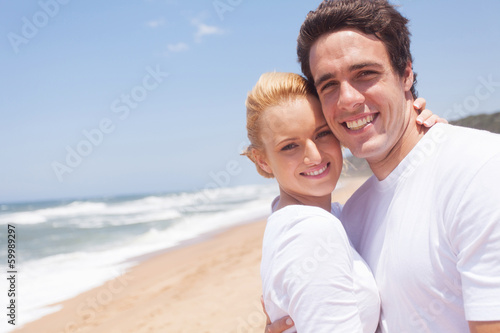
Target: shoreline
column 208, row 284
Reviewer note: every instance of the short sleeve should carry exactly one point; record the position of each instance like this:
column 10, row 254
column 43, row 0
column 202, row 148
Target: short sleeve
column 477, row 241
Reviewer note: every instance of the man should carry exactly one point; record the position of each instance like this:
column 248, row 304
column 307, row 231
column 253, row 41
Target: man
column 428, row 221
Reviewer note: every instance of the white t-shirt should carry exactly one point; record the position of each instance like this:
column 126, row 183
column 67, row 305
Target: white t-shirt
column 430, row 232
column 311, row 272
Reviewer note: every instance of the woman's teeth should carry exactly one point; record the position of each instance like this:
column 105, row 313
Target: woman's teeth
column 317, row 172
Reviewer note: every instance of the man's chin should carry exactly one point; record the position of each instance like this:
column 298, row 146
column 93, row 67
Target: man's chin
column 368, row 153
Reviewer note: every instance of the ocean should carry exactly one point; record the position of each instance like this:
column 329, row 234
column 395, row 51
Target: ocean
column 64, row 248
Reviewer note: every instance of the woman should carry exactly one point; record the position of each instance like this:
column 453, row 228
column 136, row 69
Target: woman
column 309, row 269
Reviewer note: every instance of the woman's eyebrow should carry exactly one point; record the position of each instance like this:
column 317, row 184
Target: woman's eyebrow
column 321, row 127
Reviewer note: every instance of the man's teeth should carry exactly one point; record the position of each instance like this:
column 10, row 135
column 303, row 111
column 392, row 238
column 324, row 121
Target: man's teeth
column 360, row 123
column 317, row 172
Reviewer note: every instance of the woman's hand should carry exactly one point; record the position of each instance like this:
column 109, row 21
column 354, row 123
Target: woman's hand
column 279, row 325
column 426, row 117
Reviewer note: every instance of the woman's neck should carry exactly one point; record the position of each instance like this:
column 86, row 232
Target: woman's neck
column 287, row 199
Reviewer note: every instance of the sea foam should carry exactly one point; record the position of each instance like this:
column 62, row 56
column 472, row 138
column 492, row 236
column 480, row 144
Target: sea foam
column 66, row 248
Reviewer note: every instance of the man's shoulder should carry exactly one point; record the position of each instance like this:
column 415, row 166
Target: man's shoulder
column 460, row 134
column 467, row 145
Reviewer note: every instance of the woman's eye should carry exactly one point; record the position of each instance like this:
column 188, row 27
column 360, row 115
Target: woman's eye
column 324, row 133
column 289, row 146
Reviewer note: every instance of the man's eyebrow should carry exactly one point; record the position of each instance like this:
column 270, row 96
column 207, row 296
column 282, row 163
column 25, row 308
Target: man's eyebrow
column 355, row 67
column 323, row 78
column 363, row 65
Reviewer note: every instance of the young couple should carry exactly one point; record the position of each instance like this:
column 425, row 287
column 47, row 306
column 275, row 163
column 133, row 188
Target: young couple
column 426, row 225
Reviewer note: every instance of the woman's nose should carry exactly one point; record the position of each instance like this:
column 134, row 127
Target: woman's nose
column 312, row 154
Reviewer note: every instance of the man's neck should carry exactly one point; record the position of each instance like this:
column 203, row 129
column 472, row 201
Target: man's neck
column 411, row 136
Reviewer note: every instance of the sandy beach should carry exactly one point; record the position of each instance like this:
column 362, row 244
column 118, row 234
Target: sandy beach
column 207, row 286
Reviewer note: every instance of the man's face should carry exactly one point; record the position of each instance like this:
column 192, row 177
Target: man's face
column 365, row 102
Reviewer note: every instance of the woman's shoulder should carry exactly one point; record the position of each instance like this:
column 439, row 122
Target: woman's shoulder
column 304, row 221
column 305, row 211
column 300, row 212
column 295, row 232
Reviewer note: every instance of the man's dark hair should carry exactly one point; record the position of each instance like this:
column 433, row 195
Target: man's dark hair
column 372, row 17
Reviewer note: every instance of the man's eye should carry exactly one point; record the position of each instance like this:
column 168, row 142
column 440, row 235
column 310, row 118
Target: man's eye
column 367, row 73
column 327, row 85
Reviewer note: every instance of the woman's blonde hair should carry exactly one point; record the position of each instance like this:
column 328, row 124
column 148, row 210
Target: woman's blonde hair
column 272, row 89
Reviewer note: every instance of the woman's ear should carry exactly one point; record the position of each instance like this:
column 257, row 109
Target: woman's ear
column 261, row 160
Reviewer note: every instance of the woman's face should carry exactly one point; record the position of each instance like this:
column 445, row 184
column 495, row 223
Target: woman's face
column 299, row 148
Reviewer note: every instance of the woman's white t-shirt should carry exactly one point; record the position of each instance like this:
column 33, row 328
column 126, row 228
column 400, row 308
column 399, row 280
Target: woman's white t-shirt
column 311, row 272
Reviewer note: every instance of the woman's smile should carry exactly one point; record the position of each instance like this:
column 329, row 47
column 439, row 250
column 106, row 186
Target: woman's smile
column 317, row 172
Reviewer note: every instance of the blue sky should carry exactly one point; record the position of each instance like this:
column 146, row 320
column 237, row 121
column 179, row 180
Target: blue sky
column 147, row 96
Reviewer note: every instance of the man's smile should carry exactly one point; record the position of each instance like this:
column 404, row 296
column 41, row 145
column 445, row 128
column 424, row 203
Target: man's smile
column 357, row 124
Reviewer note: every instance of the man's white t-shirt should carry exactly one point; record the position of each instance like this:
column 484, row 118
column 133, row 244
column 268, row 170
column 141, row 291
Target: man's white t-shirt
column 311, row 272
column 430, row 232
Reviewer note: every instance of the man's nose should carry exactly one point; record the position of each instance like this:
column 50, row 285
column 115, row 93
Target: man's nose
column 350, row 98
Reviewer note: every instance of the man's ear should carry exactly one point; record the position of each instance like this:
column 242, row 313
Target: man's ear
column 408, row 76
column 261, row 160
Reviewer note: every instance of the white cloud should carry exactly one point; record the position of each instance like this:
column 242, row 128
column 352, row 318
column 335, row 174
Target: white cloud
column 155, row 23
column 179, row 47
column 205, row 30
